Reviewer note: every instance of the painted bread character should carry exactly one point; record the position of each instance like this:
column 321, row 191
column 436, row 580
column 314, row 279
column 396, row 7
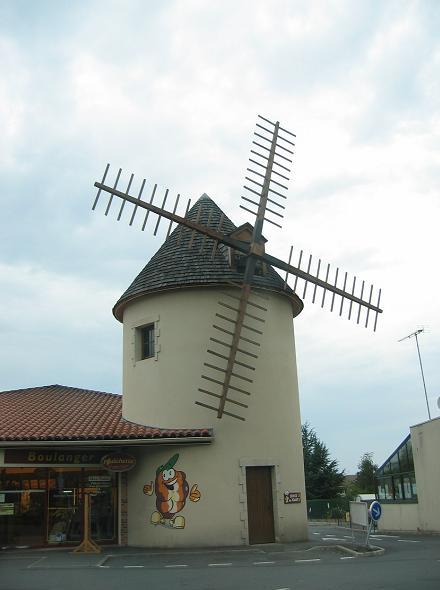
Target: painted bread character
column 172, row 490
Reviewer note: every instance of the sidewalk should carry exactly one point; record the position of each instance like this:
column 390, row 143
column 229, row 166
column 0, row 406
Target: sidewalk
column 64, row 555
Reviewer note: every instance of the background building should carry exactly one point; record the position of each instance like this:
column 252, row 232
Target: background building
column 409, row 481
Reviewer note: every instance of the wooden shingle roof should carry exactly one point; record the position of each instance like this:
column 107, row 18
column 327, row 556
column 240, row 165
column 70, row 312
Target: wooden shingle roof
column 175, row 265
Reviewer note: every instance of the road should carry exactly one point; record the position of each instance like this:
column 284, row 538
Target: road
column 408, row 562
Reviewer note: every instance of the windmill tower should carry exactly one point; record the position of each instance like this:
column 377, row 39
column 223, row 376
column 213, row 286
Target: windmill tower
column 209, row 342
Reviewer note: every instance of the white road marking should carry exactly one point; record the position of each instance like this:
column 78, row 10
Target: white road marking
column 262, row 562
column 352, row 557
column 316, row 533
column 104, row 566
column 407, row 541
column 348, row 536
column 332, row 539
column 127, row 566
column 218, row 564
column 178, row 565
column 35, row 562
column 11, row 557
column 282, row 588
column 306, row 560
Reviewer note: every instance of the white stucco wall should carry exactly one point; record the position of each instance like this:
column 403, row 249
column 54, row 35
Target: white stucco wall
column 399, row 517
column 426, row 450
column 161, row 392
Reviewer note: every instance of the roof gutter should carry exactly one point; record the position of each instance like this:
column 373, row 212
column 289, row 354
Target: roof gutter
column 133, row 442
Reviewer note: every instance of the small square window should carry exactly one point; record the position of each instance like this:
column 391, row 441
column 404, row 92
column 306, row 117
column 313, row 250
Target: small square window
column 147, row 341
column 238, row 262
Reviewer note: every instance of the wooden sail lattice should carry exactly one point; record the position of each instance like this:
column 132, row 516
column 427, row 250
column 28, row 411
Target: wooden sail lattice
column 239, row 321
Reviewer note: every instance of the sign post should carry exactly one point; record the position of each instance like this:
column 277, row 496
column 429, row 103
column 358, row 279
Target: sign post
column 375, row 512
column 87, row 545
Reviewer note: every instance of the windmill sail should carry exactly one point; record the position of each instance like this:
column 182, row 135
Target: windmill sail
column 229, row 370
column 270, row 161
column 264, row 175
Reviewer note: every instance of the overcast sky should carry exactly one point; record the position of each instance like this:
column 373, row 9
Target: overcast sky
column 170, row 90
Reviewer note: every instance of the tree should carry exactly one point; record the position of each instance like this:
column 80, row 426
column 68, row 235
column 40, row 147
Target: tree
column 366, row 480
column 322, row 476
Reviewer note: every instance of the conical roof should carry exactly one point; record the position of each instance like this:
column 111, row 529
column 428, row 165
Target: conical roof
column 176, row 266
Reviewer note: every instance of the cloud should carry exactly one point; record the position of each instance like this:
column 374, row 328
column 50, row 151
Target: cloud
column 55, row 329
column 170, row 91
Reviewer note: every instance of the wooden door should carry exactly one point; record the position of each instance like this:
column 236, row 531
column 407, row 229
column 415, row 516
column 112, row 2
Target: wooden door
column 260, row 505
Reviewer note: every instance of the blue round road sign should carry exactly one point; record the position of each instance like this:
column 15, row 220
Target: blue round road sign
column 375, row 510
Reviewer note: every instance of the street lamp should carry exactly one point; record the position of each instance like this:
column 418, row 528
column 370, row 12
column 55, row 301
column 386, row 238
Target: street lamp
column 415, row 334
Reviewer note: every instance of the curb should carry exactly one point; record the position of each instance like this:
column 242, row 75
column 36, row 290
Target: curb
column 262, row 549
column 373, row 552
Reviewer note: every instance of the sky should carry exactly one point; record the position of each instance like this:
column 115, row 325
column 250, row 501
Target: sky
column 170, row 90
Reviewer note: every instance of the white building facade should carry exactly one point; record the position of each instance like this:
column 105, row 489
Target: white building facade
column 196, row 480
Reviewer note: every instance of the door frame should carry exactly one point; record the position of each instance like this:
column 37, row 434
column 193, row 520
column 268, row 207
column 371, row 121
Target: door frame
column 276, row 495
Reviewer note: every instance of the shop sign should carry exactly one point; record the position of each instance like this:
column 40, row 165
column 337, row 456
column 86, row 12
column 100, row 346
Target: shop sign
column 52, row 457
column 7, row 509
column 118, row 462
column 292, row 497
column 100, row 481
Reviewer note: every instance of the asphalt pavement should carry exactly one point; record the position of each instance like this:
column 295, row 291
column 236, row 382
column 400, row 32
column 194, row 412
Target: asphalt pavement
column 333, row 559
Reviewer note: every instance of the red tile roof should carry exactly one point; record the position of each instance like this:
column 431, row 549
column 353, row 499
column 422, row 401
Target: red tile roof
column 60, row 413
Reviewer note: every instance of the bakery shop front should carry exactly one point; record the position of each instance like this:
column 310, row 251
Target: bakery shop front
column 42, row 496
column 67, row 454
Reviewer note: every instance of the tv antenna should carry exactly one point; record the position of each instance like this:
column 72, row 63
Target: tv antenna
column 236, row 344
column 415, row 334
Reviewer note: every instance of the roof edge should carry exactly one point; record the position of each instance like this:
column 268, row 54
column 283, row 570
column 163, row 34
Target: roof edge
column 51, row 386
column 107, row 442
column 118, row 308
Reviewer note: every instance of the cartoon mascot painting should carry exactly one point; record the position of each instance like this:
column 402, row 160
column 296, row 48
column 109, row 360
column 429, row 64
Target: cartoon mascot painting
column 172, row 490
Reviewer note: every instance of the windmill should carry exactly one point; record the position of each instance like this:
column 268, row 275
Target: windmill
column 236, row 347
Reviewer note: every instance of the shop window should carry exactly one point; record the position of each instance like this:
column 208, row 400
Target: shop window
column 409, row 488
column 103, row 505
column 403, row 458
column 414, row 487
column 64, row 511
column 396, row 478
column 66, row 494
column 410, row 455
column 397, row 487
column 40, row 506
column 394, row 464
column 386, row 468
column 22, row 506
column 385, row 491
